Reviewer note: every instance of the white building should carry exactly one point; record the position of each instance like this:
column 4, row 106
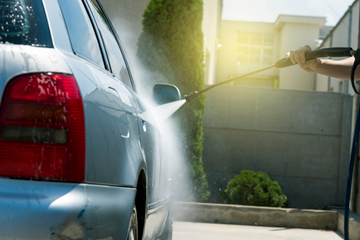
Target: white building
column 248, row 46
column 211, row 28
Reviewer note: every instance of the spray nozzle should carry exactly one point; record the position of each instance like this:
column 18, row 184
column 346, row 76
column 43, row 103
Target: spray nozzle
column 191, row 96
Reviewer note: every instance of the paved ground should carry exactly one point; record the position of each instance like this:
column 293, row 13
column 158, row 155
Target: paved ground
column 210, row 231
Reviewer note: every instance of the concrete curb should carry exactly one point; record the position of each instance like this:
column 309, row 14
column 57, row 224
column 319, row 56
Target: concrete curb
column 354, row 224
column 261, row 216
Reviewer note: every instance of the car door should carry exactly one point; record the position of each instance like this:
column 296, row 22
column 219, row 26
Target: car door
column 148, row 133
column 141, row 128
column 113, row 152
column 124, row 127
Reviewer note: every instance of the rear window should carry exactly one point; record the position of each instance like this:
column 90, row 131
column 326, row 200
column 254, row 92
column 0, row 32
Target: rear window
column 24, row 22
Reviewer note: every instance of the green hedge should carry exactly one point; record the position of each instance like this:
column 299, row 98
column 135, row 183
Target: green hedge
column 172, row 46
column 256, row 189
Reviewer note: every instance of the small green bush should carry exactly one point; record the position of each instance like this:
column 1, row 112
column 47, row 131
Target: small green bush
column 256, row 189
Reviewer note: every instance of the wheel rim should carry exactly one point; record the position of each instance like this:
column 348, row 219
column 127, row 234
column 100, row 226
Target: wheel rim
column 131, row 234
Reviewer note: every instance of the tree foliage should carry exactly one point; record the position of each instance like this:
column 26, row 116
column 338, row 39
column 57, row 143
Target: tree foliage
column 256, row 189
column 171, row 47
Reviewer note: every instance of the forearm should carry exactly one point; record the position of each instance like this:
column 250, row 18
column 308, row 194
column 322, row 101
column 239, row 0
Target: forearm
column 337, row 69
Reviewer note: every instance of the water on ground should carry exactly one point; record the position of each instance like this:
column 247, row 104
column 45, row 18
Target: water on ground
column 210, row 231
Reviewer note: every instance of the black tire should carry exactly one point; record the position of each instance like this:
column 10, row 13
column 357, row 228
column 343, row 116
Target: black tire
column 133, row 231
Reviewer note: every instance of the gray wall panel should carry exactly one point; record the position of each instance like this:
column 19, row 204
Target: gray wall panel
column 300, row 138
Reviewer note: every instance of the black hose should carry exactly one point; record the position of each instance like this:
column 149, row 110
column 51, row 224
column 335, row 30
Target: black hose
column 353, row 150
column 350, row 174
column 356, row 63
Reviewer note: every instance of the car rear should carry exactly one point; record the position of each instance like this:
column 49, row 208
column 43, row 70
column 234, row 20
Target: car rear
column 43, row 193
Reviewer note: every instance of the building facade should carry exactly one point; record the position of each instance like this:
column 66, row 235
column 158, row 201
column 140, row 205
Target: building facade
column 248, row 46
column 210, row 27
column 344, row 34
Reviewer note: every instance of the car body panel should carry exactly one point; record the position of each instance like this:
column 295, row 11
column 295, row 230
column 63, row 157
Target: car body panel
column 50, row 210
column 109, row 116
column 113, row 152
column 122, row 139
column 150, row 138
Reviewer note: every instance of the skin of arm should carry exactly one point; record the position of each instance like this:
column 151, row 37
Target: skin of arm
column 337, row 69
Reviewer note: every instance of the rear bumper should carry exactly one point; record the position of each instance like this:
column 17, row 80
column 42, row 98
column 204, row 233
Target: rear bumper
column 51, row 210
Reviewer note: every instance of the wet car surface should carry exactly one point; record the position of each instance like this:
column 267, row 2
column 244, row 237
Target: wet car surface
column 80, row 152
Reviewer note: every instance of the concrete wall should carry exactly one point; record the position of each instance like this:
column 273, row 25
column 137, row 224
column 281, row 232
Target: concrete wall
column 256, row 216
column 301, row 139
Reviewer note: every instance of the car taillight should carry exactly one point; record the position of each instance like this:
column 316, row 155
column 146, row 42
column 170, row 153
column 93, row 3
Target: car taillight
column 42, row 129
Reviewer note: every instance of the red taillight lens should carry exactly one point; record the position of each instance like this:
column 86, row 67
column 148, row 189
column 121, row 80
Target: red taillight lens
column 42, row 129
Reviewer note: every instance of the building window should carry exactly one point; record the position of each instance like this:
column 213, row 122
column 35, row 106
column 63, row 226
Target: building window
column 255, row 48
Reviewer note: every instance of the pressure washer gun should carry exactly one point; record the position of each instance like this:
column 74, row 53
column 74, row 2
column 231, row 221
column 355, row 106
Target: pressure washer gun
column 325, row 52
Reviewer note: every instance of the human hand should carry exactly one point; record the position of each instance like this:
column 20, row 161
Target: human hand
column 298, row 57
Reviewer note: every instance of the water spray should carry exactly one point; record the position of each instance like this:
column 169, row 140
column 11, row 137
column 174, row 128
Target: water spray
column 325, row 52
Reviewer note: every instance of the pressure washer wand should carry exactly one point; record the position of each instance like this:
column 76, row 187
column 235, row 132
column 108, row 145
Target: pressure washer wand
column 325, row 52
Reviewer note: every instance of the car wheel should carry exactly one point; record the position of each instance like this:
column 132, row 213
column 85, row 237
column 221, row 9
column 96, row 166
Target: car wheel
column 133, row 228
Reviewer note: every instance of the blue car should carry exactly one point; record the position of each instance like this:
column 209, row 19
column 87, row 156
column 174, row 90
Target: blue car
column 80, row 151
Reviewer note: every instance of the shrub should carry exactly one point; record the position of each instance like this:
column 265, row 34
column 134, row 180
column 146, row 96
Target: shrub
column 171, row 48
column 256, row 189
